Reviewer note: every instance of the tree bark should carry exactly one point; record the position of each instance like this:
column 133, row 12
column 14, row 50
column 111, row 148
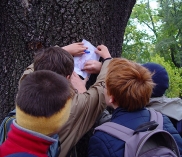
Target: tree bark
column 26, row 25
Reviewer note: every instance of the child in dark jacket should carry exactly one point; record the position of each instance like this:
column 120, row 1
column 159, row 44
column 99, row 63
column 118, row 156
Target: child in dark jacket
column 43, row 99
column 128, row 89
column 171, row 107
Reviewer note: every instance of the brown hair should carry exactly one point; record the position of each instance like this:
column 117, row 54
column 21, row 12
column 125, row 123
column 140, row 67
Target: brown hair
column 55, row 59
column 129, row 83
column 43, row 93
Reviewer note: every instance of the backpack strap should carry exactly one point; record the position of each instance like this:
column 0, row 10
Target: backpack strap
column 116, row 130
column 124, row 133
column 156, row 116
column 5, row 125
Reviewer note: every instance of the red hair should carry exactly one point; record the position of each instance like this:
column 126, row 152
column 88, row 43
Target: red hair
column 129, row 83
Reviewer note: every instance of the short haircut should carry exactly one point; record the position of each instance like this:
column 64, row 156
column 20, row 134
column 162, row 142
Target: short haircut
column 55, row 59
column 43, row 93
column 129, row 83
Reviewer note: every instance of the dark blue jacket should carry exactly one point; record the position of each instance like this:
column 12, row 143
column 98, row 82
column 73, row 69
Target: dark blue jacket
column 104, row 145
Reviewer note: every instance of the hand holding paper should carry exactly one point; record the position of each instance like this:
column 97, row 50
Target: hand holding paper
column 75, row 49
column 92, row 67
column 79, row 61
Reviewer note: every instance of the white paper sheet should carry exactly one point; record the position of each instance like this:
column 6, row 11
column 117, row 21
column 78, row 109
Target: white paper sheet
column 79, row 61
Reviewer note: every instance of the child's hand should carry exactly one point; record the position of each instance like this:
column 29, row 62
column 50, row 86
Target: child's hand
column 75, row 49
column 103, row 51
column 92, row 67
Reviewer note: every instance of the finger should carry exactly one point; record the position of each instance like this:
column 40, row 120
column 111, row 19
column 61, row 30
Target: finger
column 83, row 48
column 87, row 67
column 99, row 47
column 80, row 50
column 88, row 63
column 80, row 43
column 80, row 53
column 89, row 71
column 97, row 51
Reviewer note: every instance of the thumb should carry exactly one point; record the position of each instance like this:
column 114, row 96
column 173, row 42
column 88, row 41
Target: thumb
column 97, row 51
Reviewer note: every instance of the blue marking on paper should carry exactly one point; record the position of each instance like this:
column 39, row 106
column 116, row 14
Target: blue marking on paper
column 79, row 61
column 86, row 51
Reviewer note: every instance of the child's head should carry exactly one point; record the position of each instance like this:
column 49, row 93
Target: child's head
column 159, row 77
column 55, row 59
column 128, row 84
column 43, row 102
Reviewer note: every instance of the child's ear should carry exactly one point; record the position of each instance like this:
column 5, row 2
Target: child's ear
column 111, row 99
column 68, row 77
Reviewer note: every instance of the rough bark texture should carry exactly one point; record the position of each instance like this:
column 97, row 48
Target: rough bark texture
column 25, row 25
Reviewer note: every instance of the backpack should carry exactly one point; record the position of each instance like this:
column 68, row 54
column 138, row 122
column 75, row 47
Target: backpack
column 5, row 125
column 54, row 149
column 149, row 139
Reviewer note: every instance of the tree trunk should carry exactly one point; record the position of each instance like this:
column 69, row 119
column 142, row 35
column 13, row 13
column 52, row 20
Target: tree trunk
column 25, row 25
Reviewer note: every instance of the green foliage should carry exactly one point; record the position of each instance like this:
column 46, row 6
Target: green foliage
column 155, row 35
column 169, row 41
column 175, row 76
column 133, row 48
column 138, row 43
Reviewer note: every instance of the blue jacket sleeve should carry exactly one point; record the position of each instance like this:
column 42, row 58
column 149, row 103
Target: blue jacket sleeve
column 168, row 126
